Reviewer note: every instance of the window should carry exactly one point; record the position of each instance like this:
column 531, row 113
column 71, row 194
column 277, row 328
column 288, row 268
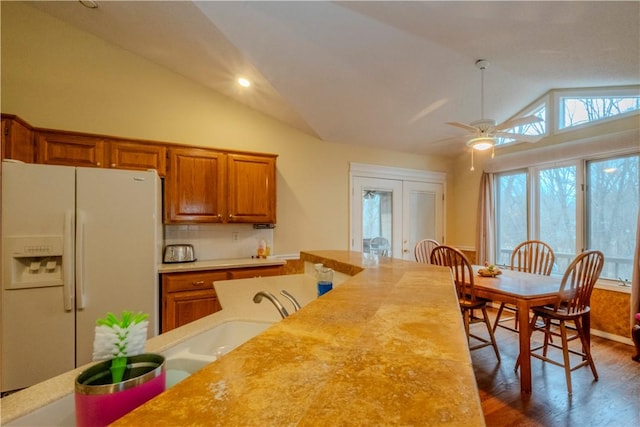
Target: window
column 556, row 212
column 561, row 109
column 511, row 214
column 553, row 205
column 534, row 129
column 612, row 207
column 575, row 111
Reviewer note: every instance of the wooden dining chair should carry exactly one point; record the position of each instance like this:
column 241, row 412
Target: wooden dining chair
column 571, row 306
column 531, row 256
column 469, row 304
column 422, row 250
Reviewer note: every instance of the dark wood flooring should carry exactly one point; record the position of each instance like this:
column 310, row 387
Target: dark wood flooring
column 613, row 400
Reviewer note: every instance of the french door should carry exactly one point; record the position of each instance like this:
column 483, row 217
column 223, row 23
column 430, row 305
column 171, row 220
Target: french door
column 388, row 216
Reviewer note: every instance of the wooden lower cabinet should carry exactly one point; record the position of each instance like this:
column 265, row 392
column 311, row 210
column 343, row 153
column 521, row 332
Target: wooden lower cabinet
column 247, row 273
column 189, row 296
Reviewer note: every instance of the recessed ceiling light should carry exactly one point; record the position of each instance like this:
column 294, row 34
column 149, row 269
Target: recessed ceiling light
column 244, row 82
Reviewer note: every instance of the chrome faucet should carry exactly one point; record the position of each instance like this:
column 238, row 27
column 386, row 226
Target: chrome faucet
column 287, row 295
column 258, row 297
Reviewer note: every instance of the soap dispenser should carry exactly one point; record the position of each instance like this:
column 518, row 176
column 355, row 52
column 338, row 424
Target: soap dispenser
column 325, row 279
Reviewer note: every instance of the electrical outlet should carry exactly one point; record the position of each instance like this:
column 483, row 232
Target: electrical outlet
column 234, row 236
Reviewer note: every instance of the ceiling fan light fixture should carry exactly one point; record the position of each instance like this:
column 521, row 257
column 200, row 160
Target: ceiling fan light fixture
column 481, row 143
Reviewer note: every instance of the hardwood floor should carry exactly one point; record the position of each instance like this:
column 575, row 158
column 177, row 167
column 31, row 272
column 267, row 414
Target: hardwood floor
column 613, row 400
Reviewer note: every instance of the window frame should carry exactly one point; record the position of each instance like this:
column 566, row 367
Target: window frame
column 533, row 201
column 613, row 92
column 552, row 99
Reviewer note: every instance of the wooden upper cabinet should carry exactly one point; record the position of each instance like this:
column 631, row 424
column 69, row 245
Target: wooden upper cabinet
column 17, row 140
column 251, row 181
column 195, row 186
column 138, row 156
column 69, row 149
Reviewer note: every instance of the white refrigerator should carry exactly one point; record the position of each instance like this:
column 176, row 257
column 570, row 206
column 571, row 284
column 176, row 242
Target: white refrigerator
column 76, row 243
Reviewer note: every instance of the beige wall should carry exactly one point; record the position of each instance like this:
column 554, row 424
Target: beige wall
column 56, row 76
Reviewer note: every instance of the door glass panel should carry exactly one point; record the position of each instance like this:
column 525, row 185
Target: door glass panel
column 422, row 206
column 377, row 222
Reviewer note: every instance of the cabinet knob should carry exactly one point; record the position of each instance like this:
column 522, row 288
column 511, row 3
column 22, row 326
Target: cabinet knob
column 230, row 215
column 113, row 165
column 98, row 164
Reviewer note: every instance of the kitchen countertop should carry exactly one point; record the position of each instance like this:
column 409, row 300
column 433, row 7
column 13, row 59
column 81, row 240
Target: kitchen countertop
column 385, row 347
column 219, row 264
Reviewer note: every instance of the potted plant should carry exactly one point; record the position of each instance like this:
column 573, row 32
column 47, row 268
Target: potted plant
column 125, row 378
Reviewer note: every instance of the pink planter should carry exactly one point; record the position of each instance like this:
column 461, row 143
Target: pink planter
column 99, row 402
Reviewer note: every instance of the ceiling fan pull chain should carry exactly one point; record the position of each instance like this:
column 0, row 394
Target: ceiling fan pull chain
column 472, row 168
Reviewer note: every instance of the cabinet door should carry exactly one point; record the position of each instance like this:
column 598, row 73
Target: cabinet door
column 181, row 308
column 195, row 186
column 188, row 296
column 17, row 141
column 137, row 156
column 252, row 189
column 70, row 149
column 247, row 273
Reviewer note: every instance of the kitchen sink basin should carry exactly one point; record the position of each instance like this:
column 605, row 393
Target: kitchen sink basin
column 182, row 360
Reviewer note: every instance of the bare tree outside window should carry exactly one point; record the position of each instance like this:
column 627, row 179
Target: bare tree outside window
column 557, row 212
column 613, row 195
column 511, row 221
column 580, row 110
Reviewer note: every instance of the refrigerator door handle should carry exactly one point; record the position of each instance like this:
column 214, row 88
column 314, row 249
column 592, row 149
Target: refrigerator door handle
column 80, row 267
column 68, row 277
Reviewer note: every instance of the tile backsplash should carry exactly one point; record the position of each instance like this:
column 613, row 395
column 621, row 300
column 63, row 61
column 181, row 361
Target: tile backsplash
column 219, row 241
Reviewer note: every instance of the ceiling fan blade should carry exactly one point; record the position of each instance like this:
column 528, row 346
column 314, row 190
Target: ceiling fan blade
column 463, row 126
column 519, row 137
column 519, row 121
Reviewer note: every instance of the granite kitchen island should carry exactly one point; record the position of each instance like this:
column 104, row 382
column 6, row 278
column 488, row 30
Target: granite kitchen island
column 386, row 347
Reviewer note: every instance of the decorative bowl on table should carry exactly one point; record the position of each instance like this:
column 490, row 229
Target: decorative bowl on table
column 486, row 272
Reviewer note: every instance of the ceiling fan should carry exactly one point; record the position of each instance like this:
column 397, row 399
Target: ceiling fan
column 485, row 131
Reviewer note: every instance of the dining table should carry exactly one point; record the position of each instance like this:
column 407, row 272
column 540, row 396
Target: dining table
column 524, row 290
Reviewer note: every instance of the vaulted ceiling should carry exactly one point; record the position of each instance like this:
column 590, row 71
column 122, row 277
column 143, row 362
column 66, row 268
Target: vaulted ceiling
column 382, row 74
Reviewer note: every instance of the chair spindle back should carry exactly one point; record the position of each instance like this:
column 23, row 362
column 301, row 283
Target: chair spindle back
column 578, row 281
column 422, row 250
column 460, row 266
column 533, row 256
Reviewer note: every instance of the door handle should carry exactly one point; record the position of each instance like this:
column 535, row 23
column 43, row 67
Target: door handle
column 68, row 277
column 80, row 263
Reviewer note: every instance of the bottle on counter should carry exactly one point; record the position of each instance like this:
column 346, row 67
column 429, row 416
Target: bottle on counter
column 261, row 248
column 325, row 279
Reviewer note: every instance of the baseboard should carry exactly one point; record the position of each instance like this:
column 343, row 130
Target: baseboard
column 611, row 337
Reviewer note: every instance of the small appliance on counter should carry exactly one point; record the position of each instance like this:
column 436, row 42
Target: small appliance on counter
column 178, row 253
